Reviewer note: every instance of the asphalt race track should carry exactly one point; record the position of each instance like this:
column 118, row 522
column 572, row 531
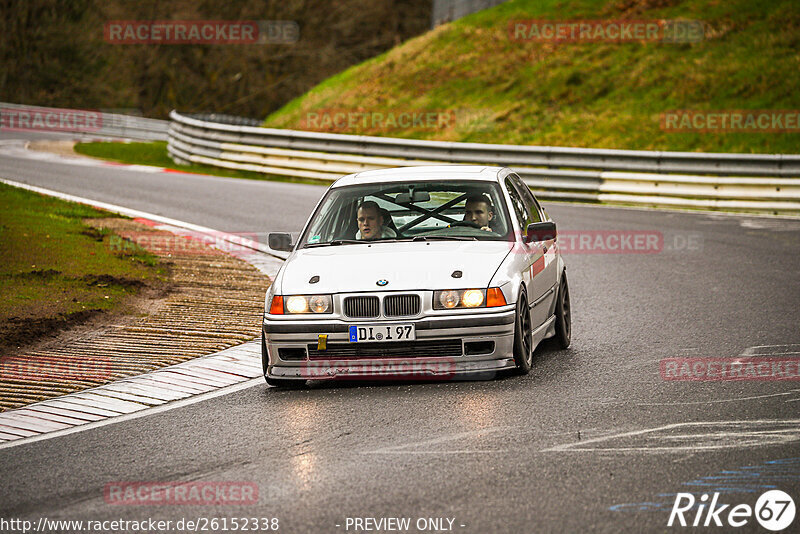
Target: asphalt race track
column 594, row 439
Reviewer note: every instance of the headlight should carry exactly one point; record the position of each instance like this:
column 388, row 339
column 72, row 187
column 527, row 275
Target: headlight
column 459, row 298
column 297, row 304
column 468, row 298
column 319, row 303
column 447, row 299
column 301, row 304
column 472, row 298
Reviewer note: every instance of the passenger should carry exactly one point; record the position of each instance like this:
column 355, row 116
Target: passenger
column 478, row 210
column 371, row 223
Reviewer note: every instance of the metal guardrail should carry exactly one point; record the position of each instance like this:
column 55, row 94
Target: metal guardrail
column 749, row 182
column 89, row 122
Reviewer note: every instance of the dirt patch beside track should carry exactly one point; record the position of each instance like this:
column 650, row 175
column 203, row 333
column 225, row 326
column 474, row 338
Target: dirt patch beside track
column 62, row 148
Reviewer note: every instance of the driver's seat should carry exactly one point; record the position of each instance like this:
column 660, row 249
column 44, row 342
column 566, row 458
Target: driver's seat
column 388, row 222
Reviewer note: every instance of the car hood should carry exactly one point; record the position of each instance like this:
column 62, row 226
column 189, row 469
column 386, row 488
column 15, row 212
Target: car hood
column 405, row 266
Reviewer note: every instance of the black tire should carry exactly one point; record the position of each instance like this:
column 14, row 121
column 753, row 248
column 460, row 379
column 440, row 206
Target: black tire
column 276, row 382
column 563, row 335
column 523, row 336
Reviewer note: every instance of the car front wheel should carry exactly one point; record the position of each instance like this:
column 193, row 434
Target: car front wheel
column 523, row 336
column 563, row 315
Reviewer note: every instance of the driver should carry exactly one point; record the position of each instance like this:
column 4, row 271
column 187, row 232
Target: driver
column 478, row 210
column 371, row 223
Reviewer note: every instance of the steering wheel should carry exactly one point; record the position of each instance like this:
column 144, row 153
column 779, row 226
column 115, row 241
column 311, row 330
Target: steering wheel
column 469, row 224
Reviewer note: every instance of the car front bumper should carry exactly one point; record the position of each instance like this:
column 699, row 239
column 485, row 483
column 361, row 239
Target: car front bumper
column 446, row 347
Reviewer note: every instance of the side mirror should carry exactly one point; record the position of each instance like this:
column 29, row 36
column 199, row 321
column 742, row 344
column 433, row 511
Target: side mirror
column 540, row 231
column 280, row 241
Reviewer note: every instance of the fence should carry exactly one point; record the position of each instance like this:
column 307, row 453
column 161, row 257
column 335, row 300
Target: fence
column 746, row 182
column 93, row 122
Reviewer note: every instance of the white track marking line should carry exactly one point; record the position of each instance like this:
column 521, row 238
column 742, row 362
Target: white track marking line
column 155, row 382
column 107, row 392
column 466, row 451
column 736, row 399
column 76, row 404
column 62, row 411
column 772, row 350
column 578, row 446
column 48, row 416
column 225, row 379
column 191, row 376
column 146, row 391
column 403, row 448
column 168, row 380
column 31, row 423
column 14, row 431
column 103, row 401
column 225, row 367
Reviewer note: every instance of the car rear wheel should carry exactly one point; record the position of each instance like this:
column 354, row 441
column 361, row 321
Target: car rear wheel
column 523, row 336
column 563, row 335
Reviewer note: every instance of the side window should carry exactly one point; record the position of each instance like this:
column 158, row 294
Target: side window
column 499, row 221
column 527, row 197
column 517, row 204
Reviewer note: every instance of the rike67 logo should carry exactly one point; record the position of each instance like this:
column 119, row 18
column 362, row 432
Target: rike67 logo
column 774, row 510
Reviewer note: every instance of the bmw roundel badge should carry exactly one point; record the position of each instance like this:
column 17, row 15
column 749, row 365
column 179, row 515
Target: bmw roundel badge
column 382, row 282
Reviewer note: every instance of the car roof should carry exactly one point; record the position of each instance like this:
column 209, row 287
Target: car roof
column 424, row 172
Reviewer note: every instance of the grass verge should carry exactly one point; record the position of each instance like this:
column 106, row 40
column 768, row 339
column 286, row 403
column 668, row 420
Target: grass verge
column 57, row 272
column 583, row 94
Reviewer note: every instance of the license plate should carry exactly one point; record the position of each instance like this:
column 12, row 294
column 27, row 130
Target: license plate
column 381, row 333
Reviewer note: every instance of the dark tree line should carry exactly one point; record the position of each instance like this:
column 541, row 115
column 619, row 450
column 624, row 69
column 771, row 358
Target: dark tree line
column 52, row 52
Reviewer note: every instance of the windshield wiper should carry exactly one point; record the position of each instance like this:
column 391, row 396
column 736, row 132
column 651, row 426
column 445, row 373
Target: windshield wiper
column 443, row 238
column 333, row 243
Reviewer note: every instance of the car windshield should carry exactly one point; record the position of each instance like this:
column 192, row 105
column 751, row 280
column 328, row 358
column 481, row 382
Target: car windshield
column 406, row 211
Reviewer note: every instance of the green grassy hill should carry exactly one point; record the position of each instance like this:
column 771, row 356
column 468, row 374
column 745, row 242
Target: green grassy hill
column 589, row 94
